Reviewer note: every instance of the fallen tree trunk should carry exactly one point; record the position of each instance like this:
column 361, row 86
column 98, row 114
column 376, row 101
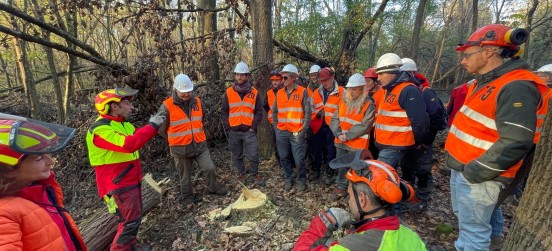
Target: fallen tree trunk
column 99, row 229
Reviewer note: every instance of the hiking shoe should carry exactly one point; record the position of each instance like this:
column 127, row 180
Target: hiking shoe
column 416, row 205
column 329, row 180
column 221, row 190
column 242, row 178
column 302, row 186
column 190, row 199
column 287, row 185
column 314, row 176
column 255, row 180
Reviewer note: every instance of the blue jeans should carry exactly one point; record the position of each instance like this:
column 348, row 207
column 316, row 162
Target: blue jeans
column 497, row 223
column 292, row 147
column 391, row 156
column 416, row 170
column 473, row 205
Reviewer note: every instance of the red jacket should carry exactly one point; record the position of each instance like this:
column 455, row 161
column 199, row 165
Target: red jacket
column 35, row 220
column 317, row 230
column 456, row 101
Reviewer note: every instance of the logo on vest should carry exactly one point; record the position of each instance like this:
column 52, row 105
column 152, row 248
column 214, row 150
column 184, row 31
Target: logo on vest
column 195, row 107
column 390, row 98
column 296, row 97
column 487, row 93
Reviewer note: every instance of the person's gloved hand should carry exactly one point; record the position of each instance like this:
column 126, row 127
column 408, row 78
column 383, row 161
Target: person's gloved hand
column 158, row 119
column 335, row 217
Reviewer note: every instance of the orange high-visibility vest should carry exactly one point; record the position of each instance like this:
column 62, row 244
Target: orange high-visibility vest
column 183, row 129
column 541, row 115
column 241, row 111
column 290, row 110
column 473, row 130
column 331, row 103
column 392, row 126
column 270, row 96
column 348, row 120
column 378, row 96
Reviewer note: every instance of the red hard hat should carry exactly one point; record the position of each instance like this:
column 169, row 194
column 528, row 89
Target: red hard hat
column 325, row 73
column 496, row 35
column 371, row 73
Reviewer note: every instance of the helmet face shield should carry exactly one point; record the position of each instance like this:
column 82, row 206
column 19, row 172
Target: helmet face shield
column 125, row 92
column 39, row 137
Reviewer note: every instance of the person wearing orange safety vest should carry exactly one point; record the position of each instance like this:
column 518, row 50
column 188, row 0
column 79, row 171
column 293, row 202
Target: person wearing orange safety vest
column 372, row 227
column 113, row 145
column 493, row 131
column 325, row 101
column 291, row 117
column 241, row 114
column 401, row 122
column 276, row 81
column 187, row 140
column 374, row 91
column 352, row 123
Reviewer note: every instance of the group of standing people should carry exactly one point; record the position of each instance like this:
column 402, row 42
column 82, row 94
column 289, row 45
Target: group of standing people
column 389, row 108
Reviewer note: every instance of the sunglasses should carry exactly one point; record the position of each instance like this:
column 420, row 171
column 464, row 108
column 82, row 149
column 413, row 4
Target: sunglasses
column 285, row 77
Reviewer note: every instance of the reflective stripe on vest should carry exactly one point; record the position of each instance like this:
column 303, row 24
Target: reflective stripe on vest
column 349, row 119
column 100, row 156
column 182, row 130
column 241, row 111
column 331, row 103
column 290, row 110
column 473, row 130
column 392, row 126
column 271, row 96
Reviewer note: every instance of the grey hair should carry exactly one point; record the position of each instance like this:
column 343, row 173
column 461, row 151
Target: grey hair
column 364, row 188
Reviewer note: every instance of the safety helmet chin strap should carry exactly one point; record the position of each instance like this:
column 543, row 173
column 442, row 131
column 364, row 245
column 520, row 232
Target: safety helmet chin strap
column 359, row 208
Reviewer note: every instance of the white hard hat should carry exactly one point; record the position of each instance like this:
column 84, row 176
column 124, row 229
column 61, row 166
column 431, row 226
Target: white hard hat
column 183, row 83
column 241, row 67
column 545, row 68
column 291, row 69
column 314, row 69
column 408, row 65
column 356, row 80
column 388, row 62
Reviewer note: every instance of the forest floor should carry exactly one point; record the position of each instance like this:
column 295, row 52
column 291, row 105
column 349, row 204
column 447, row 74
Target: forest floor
column 171, row 226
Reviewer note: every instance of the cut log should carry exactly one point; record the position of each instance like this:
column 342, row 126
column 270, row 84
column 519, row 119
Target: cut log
column 251, row 205
column 99, row 229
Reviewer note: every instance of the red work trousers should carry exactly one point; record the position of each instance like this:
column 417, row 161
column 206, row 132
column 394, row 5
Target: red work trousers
column 129, row 210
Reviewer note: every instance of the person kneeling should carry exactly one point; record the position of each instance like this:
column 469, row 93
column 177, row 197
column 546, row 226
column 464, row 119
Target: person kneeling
column 373, row 187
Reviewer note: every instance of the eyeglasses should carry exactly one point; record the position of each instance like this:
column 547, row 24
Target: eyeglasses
column 467, row 55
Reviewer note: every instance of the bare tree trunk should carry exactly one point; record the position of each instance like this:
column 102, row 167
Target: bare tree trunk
column 475, row 9
column 261, row 11
column 71, row 20
column 52, row 65
column 277, row 13
column 531, row 227
column 5, row 70
column 499, row 10
column 25, row 73
column 417, row 30
column 209, row 25
column 530, row 15
column 448, row 19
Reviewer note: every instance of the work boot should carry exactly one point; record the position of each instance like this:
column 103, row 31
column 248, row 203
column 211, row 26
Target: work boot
column 242, row 178
column 329, row 179
column 315, row 176
column 190, row 199
column 287, row 185
column 302, row 186
column 416, row 205
column 255, row 180
column 221, row 190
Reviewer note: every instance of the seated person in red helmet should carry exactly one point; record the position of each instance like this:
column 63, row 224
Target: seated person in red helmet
column 32, row 214
column 373, row 187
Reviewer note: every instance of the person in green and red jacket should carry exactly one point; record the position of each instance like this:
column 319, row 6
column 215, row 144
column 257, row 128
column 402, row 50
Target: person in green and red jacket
column 113, row 145
column 373, row 187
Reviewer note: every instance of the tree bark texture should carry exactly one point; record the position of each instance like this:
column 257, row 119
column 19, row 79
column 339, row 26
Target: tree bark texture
column 210, row 66
column 261, row 11
column 532, row 225
column 5, row 70
column 475, row 9
column 530, row 15
column 418, row 23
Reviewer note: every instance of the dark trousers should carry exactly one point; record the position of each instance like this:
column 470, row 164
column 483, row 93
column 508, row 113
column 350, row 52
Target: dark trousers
column 323, row 140
column 238, row 141
column 292, row 147
column 416, row 169
column 129, row 210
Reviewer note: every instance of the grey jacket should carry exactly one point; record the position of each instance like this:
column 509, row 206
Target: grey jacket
column 515, row 125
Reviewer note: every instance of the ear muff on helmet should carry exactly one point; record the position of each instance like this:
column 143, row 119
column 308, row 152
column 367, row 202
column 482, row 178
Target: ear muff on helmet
column 382, row 187
column 407, row 190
